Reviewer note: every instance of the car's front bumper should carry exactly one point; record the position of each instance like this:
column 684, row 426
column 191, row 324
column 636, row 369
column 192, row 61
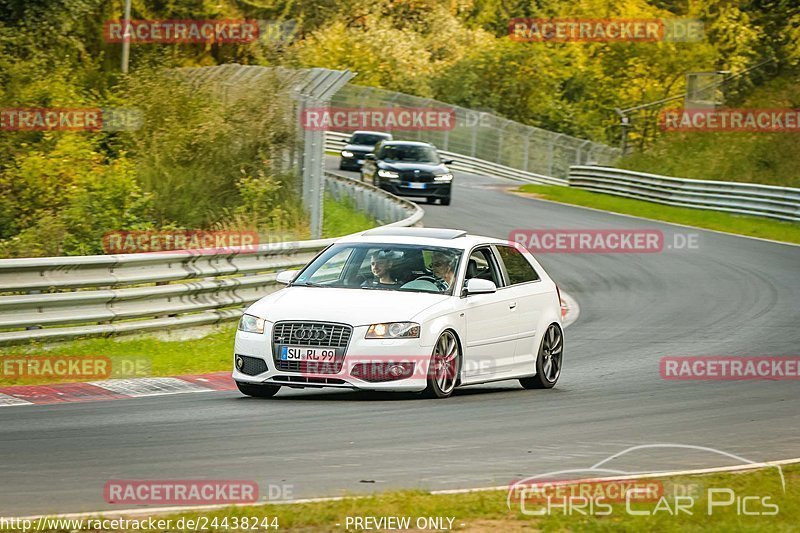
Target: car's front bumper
column 420, row 190
column 360, row 351
column 351, row 163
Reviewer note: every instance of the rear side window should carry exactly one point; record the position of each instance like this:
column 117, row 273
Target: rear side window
column 518, row 268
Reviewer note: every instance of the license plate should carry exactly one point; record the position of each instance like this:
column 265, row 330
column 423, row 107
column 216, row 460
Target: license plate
column 303, row 353
column 360, row 161
column 413, row 185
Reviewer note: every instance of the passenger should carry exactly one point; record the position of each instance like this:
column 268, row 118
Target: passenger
column 443, row 267
column 382, row 263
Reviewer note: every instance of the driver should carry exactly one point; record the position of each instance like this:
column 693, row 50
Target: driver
column 443, row 267
column 382, row 264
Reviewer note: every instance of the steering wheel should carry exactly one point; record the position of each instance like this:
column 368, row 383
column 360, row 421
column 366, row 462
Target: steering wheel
column 440, row 284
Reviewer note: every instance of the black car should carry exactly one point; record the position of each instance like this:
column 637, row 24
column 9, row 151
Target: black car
column 360, row 144
column 409, row 168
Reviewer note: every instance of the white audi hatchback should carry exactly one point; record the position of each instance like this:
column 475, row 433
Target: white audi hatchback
column 405, row 309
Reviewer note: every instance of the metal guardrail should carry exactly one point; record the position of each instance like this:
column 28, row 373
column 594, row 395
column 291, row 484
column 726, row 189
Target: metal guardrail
column 335, row 141
column 65, row 297
column 781, row 203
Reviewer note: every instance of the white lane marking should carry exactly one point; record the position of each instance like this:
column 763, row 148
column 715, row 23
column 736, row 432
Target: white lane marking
column 155, row 511
column 141, row 387
column 6, row 401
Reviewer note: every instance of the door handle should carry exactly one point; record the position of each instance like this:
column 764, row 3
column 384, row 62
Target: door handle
column 512, row 305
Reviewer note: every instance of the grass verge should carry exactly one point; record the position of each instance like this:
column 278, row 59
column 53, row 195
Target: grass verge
column 739, row 224
column 488, row 512
column 132, row 356
column 342, row 218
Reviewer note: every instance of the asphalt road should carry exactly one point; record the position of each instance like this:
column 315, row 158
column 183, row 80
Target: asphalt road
column 730, row 296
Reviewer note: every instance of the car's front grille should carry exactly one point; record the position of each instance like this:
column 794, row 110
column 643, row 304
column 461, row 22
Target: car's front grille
column 311, row 367
column 311, row 334
column 420, row 177
column 252, row 366
column 309, row 380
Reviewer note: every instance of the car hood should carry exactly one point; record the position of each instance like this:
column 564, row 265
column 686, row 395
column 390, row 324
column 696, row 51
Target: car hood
column 400, row 166
column 357, row 307
column 359, row 147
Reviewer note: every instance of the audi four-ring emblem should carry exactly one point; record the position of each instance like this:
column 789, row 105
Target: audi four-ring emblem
column 310, row 334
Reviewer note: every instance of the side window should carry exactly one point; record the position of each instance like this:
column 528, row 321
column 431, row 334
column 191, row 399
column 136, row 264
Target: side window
column 518, row 268
column 482, row 265
column 332, row 269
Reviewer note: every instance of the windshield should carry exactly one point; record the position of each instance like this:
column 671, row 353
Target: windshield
column 409, row 152
column 366, row 139
column 388, row 267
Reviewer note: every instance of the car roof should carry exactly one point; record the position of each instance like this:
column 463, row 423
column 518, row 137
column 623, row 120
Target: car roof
column 442, row 237
column 407, row 143
column 368, row 132
column 433, row 233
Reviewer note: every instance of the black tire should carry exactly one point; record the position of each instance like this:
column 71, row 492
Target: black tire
column 444, row 366
column 446, row 201
column 258, row 391
column 549, row 360
column 430, row 199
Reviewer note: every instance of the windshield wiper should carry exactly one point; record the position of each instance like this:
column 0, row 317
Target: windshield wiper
column 308, row 284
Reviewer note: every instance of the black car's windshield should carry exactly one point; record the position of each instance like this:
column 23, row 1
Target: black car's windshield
column 389, row 267
column 366, row 139
column 409, row 152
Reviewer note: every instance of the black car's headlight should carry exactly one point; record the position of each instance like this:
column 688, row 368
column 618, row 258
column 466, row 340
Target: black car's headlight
column 390, row 174
column 393, row 330
column 347, row 153
column 443, row 177
column 251, row 324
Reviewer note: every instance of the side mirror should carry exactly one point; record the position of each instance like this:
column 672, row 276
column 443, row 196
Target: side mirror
column 448, row 161
column 371, row 157
column 480, row 286
column 286, row 276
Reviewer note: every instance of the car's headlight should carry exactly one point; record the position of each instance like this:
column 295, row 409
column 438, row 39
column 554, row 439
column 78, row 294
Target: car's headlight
column 251, row 324
column 391, row 174
column 443, row 177
column 393, row 330
column 347, row 153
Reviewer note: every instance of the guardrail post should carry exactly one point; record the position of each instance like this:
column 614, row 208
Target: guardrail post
column 525, row 152
column 579, row 153
column 551, row 153
column 473, row 147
